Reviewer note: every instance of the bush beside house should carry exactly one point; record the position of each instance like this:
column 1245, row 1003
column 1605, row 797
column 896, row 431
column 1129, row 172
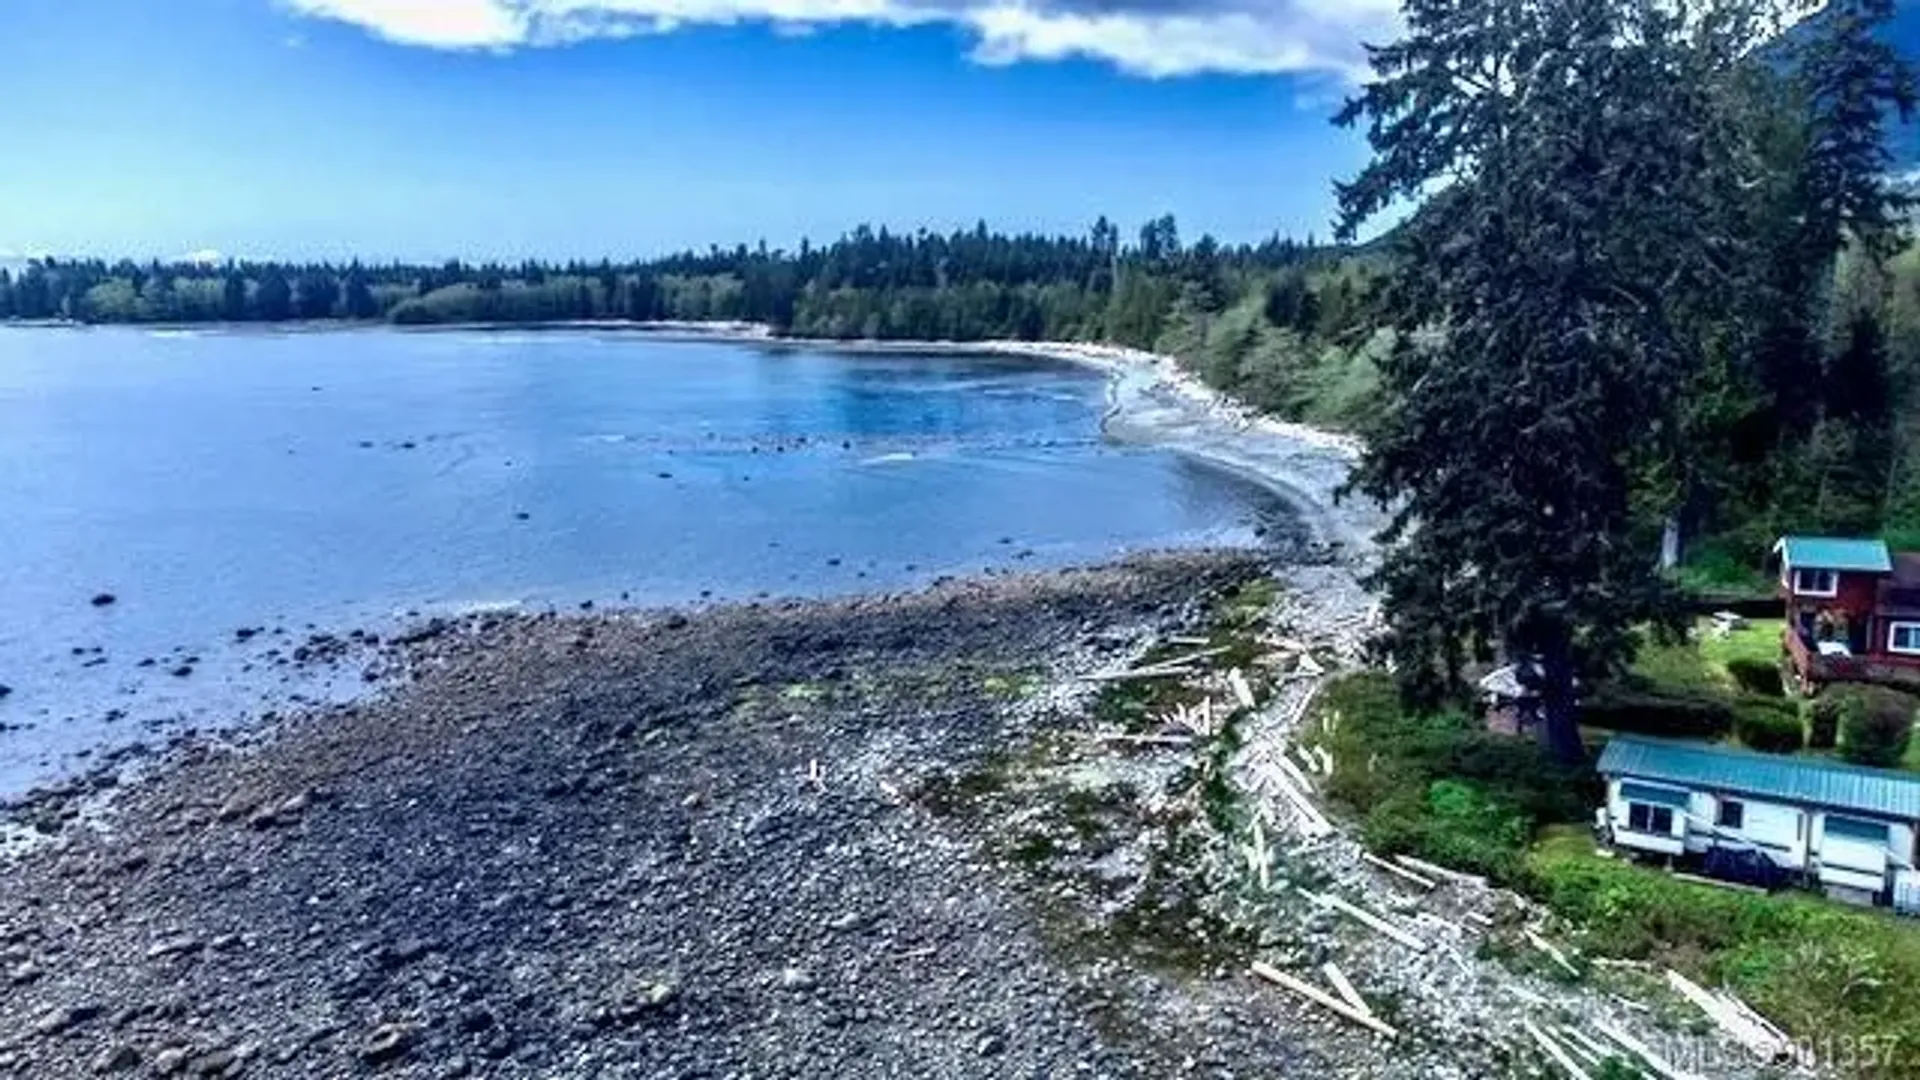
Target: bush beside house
column 1770, row 725
column 1823, row 721
column 1760, row 677
column 1875, row 724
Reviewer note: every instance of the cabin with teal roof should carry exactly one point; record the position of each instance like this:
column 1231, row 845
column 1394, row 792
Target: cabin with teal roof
column 1853, row 612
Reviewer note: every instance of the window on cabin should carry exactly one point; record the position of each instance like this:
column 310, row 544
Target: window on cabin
column 1733, row 814
column 1904, row 637
column 1650, row 819
column 1856, row 829
column 1816, row 582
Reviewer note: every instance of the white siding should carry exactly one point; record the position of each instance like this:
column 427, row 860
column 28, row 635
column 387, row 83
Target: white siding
column 1775, row 828
column 1900, row 840
column 1780, row 830
column 1850, row 853
column 1701, row 807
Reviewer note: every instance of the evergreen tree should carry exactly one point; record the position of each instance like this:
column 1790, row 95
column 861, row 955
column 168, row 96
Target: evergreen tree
column 357, row 296
column 273, row 297
column 1545, row 299
column 1823, row 128
column 233, row 296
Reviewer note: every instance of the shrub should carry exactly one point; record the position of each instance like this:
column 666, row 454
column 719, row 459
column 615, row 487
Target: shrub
column 1679, row 717
column 1469, row 828
column 1454, row 823
column 1520, row 772
column 1757, row 676
column 1728, row 566
column 1770, row 725
column 1380, row 750
column 1876, row 725
column 1823, row 721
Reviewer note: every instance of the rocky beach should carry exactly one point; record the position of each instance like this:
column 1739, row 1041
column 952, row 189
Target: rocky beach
column 646, row 846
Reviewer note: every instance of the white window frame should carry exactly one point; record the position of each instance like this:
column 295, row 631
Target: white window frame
column 1799, row 582
column 1893, row 636
column 1653, row 810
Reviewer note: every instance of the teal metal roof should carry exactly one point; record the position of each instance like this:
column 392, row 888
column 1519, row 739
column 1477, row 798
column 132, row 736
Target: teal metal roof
column 1829, row 553
column 1804, row 781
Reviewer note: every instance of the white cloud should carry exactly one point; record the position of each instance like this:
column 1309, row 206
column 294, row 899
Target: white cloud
column 204, row 256
column 445, row 24
column 1155, row 38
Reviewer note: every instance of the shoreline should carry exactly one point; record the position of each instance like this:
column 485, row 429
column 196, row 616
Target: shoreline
column 882, row 834
column 1152, row 400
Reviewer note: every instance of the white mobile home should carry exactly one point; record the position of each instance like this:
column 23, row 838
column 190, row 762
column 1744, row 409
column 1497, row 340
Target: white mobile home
column 1850, row 830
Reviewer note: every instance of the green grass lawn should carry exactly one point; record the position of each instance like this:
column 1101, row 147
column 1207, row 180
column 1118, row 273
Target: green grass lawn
column 1700, row 665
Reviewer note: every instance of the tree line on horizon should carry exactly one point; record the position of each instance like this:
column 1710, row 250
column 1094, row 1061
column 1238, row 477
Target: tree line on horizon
column 1282, row 323
column 869, row 283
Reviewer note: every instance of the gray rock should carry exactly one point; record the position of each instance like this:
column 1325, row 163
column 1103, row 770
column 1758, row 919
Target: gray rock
column 213, row 1063
column 174, row 946
column 57, row 1020
column 404, row 952
column 118, row 1058
column 389, row 1042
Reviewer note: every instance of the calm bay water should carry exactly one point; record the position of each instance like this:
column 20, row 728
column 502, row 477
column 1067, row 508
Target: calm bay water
column 213, row 481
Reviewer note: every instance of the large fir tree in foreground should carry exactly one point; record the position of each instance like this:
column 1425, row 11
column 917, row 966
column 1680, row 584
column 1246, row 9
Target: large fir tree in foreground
column 1585, row 239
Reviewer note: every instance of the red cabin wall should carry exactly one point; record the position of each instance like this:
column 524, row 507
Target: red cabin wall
column 1859, row 594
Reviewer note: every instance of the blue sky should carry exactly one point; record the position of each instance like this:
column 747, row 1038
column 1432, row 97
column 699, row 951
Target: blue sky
column 425, row 129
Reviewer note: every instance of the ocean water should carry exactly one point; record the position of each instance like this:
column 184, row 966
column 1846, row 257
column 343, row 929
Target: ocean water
column 214, row 481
